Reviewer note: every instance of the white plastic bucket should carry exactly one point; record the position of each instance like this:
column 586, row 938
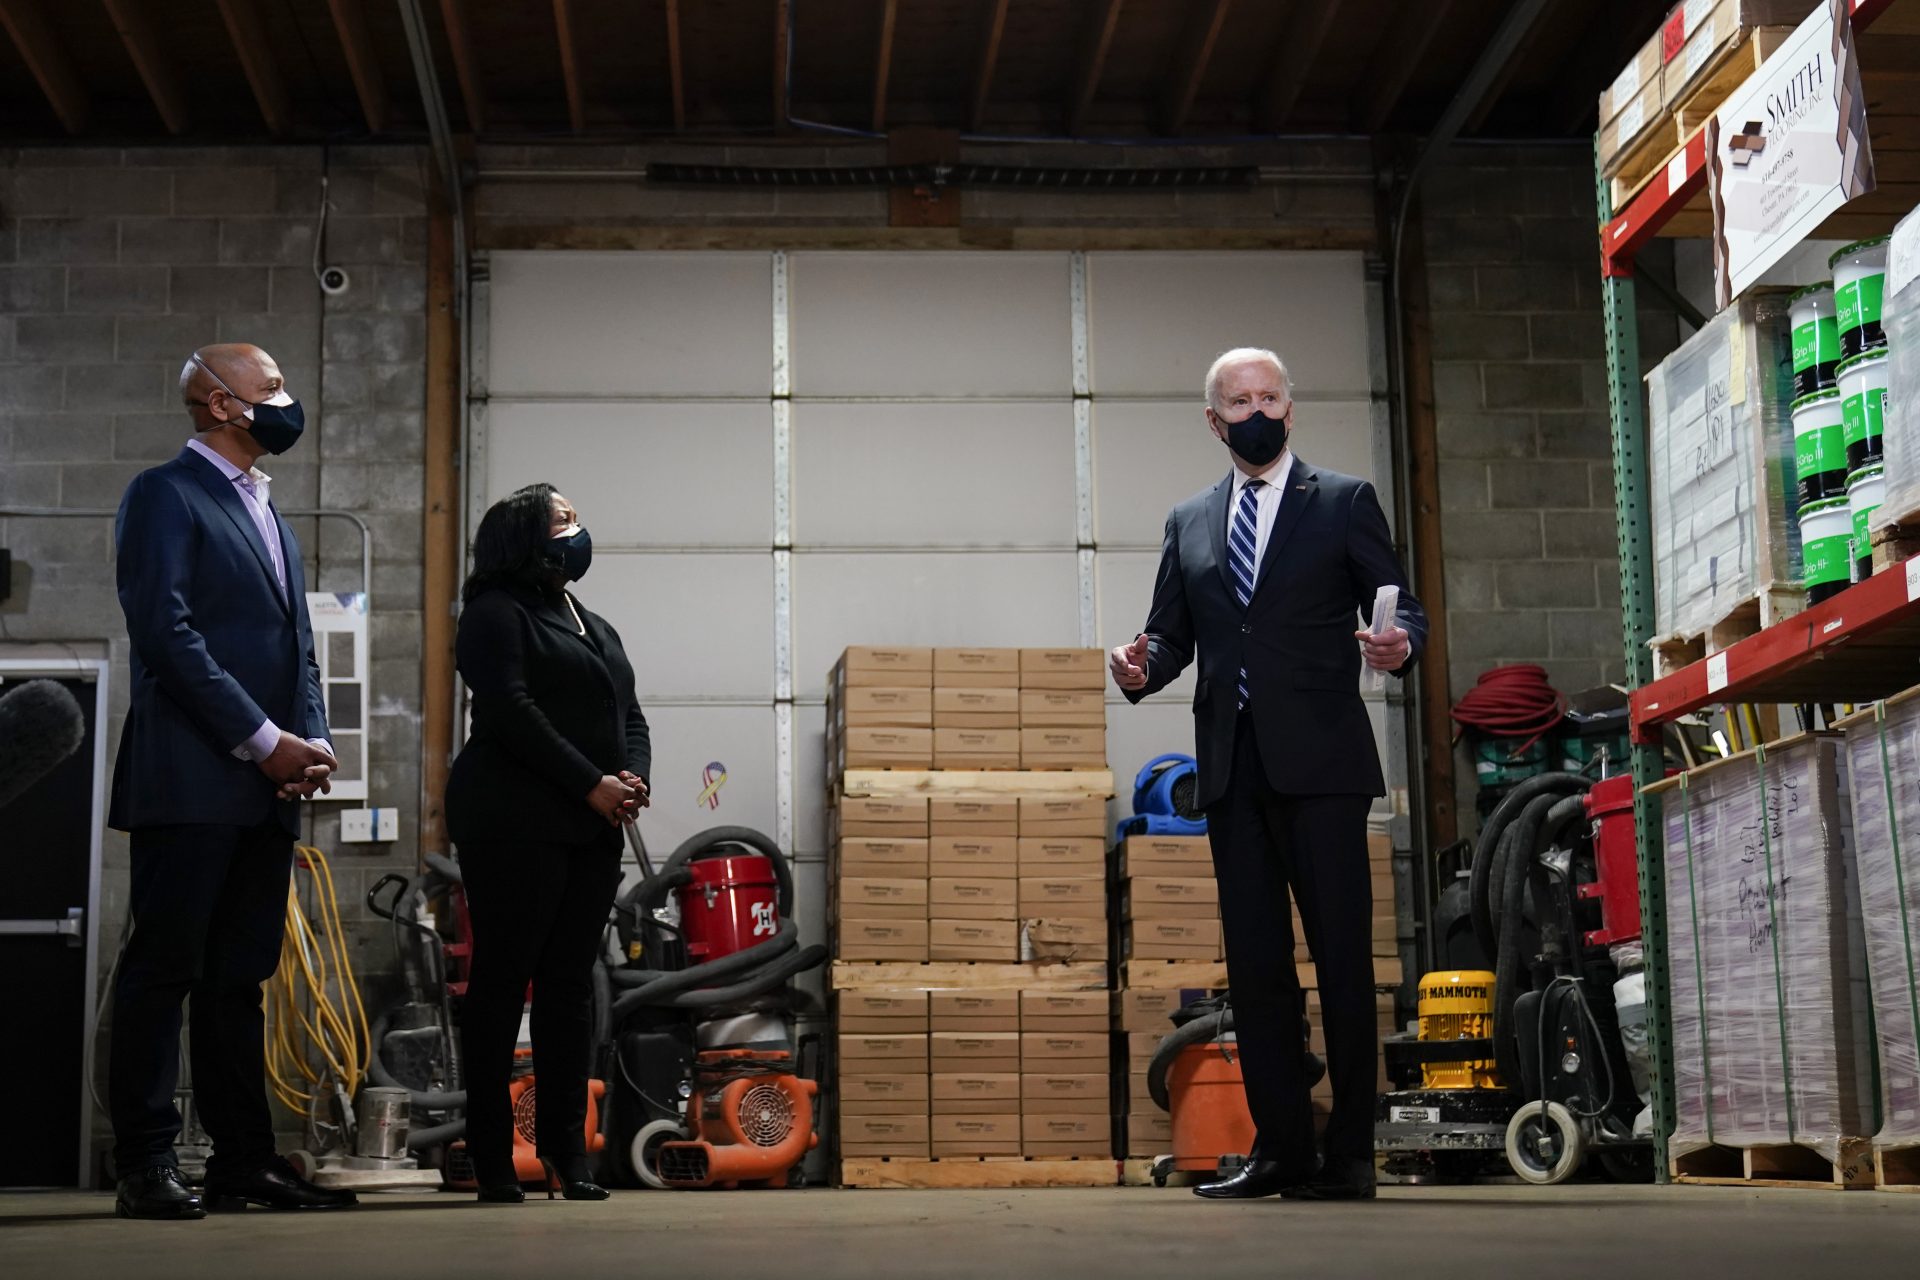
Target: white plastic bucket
column 1859, row 283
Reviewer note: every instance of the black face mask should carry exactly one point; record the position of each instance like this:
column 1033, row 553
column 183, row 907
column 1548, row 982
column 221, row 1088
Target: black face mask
column 572, row 553
column 277, row 426
column 1257, row 438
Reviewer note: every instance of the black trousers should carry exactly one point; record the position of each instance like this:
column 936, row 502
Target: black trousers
column 538, row 913
column 1268, row 847
column 209, row 907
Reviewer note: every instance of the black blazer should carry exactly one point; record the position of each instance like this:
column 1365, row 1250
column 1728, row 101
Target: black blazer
column 553, row 711
column 216, row 648
column 1328, row 554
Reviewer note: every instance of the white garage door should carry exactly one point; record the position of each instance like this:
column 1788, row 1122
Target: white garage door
column 783, row 454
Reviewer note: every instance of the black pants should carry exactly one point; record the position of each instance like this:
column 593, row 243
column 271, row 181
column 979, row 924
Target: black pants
column 1266, row 844
column 209, row 908
column 538, row 913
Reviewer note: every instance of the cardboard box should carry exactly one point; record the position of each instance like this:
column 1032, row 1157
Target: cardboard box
column 883, row 940
column 1169, row 898
column 883, row 1012
column 973, row 898
column 976, row 748
column 872, row 898
column 1166, row 856
column 881, row 856
column 1170, row 940
column 1067, row 669
column 1064, row 939
column 1149, row 1132
column 990, row 940
column 898, row 1094
column 1065, row 1134
column 972, row 1093
column 968, row 1012
column 1063, row 748
column 883, row 1055
column 1709, row 34
column 976, row 668
column 976, row 1135
column 1052, row 816
column 905, row 1136
column 869, row 665
column 975, row 1052
column 1139, row 1096
column 883, row 816
column 1066, row 1093
column 1060, row 896
column 1077, row 1011
column 976, row 708
column 882, row 707
column 1641, row 70
column 1063, row 709
column 974, row 817
column 1056, row 1049
column 974, row 855
column 1149, row 1010
column 884, row 749
column 1141, row 1045
column 1046, row 856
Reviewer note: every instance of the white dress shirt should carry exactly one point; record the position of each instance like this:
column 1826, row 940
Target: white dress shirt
column 255, row 488
column 1267, row 499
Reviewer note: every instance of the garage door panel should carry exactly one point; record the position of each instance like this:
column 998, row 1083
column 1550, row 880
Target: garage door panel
column 810, row 779
column 695, row 625
column 960, row 475
column 685, row 741
column 930, row 598
column 1157, row 320
column 930, row 324
column 1125, row 583
column 685, row 474
column 610, row 324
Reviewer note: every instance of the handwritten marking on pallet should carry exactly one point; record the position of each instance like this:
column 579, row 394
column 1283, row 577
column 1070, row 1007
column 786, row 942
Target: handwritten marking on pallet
column 1717, row 672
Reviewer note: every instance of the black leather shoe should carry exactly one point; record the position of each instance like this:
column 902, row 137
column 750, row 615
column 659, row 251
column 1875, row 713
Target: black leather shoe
column 157, row 1191
column 1255, row 1180
column 274, row 1185
column 1340, row 1178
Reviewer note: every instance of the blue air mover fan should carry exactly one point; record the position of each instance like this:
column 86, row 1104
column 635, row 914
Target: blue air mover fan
column 1163, row 800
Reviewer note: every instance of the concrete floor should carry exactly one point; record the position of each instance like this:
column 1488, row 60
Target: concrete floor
column 1428, row 1233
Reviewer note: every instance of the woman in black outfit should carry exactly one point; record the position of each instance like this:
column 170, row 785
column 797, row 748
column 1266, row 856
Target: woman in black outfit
column 556, row 762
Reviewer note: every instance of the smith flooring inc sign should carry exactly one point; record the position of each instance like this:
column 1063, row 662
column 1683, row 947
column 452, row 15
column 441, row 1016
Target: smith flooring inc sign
column 1787, row 149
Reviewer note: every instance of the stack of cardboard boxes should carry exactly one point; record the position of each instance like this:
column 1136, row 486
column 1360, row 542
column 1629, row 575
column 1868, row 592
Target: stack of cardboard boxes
column 1169, row 900
column 1142, row 1018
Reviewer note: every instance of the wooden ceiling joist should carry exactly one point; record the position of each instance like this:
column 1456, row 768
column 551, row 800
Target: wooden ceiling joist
column 570, row 65
column 350, row 22
column 1190, row 68
column 1406, row 42
column 1293, row 62
column 48, row 60
column 453, row 16
column 1093, row 62
column 157, row 72
column 989, row 59
column 883, row 63
column 676, row 75
column 249, row 35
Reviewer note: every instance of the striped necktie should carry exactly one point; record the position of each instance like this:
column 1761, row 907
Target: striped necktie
column 1241, row 558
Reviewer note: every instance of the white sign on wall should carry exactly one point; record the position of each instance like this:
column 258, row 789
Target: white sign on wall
column 340, row 647
column 1787, row 149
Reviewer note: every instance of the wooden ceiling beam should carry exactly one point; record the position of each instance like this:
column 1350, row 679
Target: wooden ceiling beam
column 1293, row 62
column 570, row 65
column 782, row 46
column 48, row 60
column 1406, row 43
column 989, row 59
column 249, row 35
column 883, row 63
column 130, row 19
column 1093, row 62
column 676, row 74
column 453, row 15
column 1190, row 68
column 350, row 23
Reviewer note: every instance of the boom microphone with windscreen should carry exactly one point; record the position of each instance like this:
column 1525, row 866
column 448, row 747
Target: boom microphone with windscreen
column 40, row 726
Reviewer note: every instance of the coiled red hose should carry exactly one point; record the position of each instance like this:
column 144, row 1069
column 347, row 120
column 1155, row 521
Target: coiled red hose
column 1512, row 702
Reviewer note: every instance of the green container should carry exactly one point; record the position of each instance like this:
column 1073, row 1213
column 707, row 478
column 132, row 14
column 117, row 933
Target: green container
column 1820, row 446
column 1866, row 490
column 1863, row 406
column 1826, row 543
column 1816, row 337
column 1859, row 285
column 1501, row 762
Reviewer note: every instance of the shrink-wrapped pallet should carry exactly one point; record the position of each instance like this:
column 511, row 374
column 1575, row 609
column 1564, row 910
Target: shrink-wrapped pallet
column 1900, row 318
column 1771, row 1031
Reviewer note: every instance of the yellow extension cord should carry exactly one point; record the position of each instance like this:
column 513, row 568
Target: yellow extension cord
column 314, row 1034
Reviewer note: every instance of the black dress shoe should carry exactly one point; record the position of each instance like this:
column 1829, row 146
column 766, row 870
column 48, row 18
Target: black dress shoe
column 1340, row 1178
column 572, row 1188
column 1256, row 1179
column 274, row 1185
column 157, row 1191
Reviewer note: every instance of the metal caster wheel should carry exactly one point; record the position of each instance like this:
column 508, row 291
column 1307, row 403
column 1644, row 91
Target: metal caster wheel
column 1545, row 1145
column 1161, row 1170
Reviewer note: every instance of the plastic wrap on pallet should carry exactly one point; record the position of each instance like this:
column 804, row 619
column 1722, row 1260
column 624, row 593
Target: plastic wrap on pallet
column 1900, row 317
column 1720, row 459
column 1771, row 1030
column 1883, row 753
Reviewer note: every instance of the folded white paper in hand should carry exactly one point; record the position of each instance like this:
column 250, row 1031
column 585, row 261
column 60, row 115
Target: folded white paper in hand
column 1386, row 609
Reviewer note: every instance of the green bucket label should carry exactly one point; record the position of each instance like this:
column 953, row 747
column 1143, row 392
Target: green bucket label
column 1861, row 540
column 1863, row 415
column 1819, row 450
column 1816, row 342
column 1859, row 302
column 1829, row 560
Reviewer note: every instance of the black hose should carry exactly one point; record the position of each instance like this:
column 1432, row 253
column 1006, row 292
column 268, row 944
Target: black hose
column 377, row 1068
column 438, row 1135
column 785, row 938
column 602, row 1005
column 446, row 866
column 1202, row 1030
column 1535, row 831
column 768, row 979
column 1483, row 887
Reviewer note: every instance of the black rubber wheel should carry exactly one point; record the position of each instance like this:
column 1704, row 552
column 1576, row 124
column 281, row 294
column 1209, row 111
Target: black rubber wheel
column 1545, row 1145
column 1627, row 1164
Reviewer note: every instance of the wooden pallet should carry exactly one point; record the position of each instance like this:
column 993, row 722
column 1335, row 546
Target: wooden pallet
column 1896, row 541
column 1750, row 616
column 1171, row 975
column 1784, row 1165
column 1137, row 1171
column 954, row 783
column 1637, row 165
column 979, row 1172
column 1897, row 1169
column 907, row 975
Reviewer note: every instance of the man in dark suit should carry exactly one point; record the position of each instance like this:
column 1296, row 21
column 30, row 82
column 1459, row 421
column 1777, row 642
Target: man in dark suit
column 225, row 734
column 1266, row 574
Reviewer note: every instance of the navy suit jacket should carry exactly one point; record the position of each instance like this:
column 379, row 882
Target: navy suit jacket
column 217, row 647
column 1328, row 554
